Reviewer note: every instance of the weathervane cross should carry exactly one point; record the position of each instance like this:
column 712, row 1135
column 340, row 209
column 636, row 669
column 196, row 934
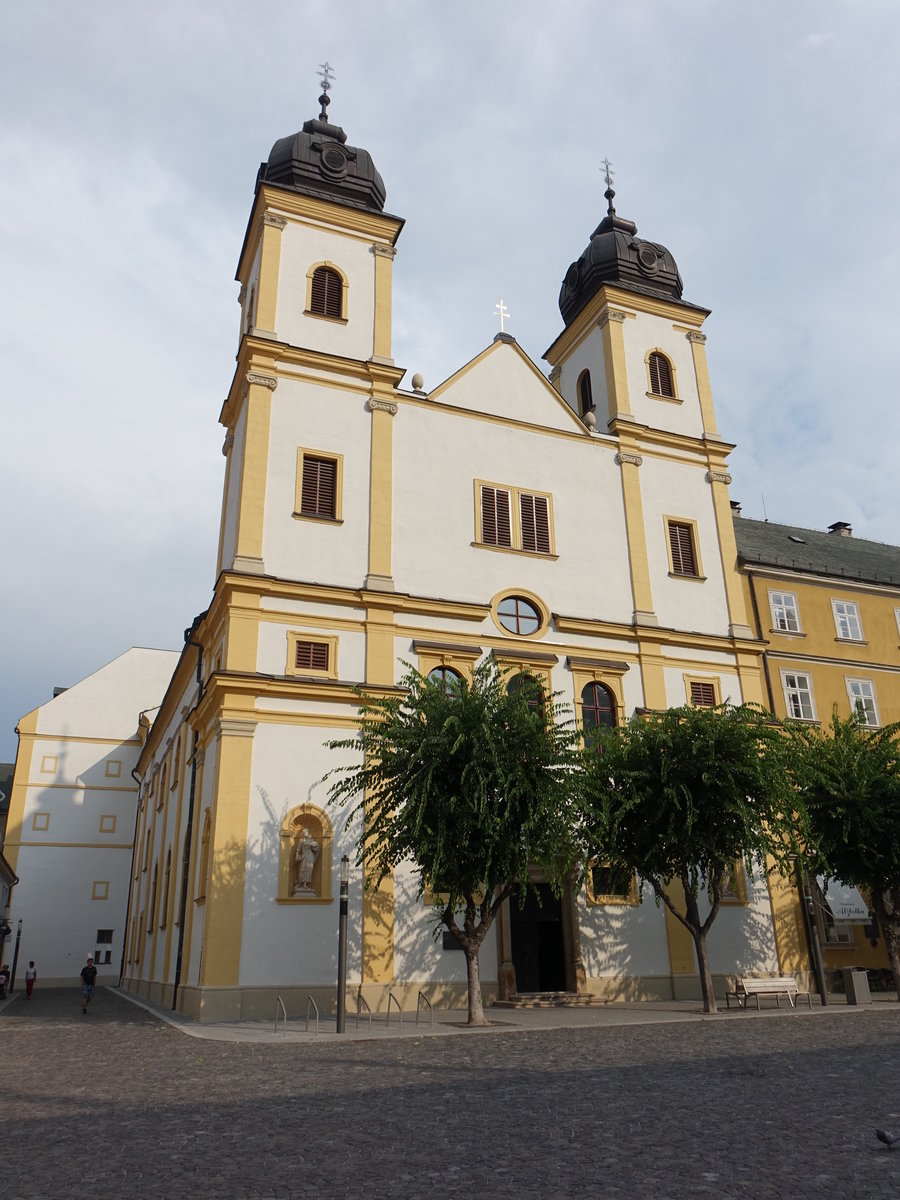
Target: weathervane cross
column 328, row 75
column 502, row 312
column 609, row 176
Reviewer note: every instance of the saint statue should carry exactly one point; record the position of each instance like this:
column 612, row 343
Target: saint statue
column 306, row 854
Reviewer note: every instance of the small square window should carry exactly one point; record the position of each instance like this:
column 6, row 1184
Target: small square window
column 113, row 768
column 40, row 822
column 611, row 885
column 312, row 655
column 49, row 764
column 100, row 890
column 846, row 620
column 703, row 693
column 108, row 823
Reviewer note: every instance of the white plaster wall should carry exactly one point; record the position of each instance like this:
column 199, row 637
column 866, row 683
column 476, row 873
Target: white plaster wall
column 292, row 944
column 641, row 335
column 670, row 489
column 438, row 456
column 742, row 938
column 504, row 384
column 59, row 917
column 273, row 648
column 419, row 956
column 326, row 419
column 233, row 496
column 302, row 246
column 587, row 356
column 624, row 940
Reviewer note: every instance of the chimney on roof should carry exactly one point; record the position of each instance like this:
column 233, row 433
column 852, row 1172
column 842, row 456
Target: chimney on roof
column 58, row 691
column 842, row 528
column 735, row 508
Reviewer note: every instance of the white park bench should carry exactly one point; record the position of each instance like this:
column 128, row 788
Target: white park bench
column 783, row 985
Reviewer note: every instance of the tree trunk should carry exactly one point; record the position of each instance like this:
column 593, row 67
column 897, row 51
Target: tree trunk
column 706, row 980
column 476, row 1008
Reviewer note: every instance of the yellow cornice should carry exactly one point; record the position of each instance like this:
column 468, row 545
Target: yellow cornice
column 609, row 296
column 353, row 221
column 260, row 356
column 185, row 672
column 655, row 633
column 795, row 575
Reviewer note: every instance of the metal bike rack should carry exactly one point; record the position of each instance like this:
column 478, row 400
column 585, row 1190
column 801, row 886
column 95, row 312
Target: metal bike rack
column 419, row 1000
column 310, row 1001
column 279, row 1003
column 392, row 997
column 360, row 999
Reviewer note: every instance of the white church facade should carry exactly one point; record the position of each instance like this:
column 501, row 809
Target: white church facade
column 576, row 527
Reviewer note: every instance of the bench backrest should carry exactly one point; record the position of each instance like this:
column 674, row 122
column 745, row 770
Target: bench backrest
column 782, row 984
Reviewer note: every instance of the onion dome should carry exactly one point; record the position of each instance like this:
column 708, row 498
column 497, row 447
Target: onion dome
column 615, row 256
column 318, row 162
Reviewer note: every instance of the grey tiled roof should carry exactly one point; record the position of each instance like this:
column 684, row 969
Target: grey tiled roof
column 811, row 550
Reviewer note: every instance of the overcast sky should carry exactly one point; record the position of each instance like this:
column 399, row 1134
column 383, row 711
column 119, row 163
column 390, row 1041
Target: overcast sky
column 758, row 141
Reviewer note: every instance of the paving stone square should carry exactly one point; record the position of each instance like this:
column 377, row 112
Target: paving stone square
column 122, row 1104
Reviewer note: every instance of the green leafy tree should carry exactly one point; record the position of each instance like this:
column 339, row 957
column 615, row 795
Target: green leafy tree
column 681, row 796
column 851, row 784
column 474, row 781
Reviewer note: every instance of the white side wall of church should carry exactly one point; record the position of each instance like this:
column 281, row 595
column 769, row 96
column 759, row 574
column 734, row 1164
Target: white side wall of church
column 623, row 940
column 643, row 334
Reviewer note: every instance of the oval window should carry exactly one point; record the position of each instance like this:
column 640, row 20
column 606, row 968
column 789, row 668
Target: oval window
column 518, row 615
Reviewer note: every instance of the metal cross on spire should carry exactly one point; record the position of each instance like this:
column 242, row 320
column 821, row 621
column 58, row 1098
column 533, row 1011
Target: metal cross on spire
column 609, row 193
column 609, row 176
column 327, row 76
column 502, row 312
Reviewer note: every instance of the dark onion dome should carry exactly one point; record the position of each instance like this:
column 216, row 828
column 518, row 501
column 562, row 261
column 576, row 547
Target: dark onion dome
column 614, row 255
column 318, row 162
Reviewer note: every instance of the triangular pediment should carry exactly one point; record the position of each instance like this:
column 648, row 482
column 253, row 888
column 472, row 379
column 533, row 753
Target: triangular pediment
column 503, row 382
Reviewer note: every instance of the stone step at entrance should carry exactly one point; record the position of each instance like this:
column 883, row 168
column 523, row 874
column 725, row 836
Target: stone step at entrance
column 549, row 1000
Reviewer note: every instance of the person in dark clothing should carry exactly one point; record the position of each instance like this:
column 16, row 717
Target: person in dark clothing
column 88, row 977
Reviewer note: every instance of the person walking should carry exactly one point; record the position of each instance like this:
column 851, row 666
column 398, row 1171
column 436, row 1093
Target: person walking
column 88, row 977
column 30, row 977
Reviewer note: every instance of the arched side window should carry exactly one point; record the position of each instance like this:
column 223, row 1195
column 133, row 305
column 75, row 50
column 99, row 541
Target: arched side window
column 529, row 688
column 585, row 398
column 662, row 377
column 326, row 294
column 164, row 911
column 204, row 857
column 598, row 707
column 446, row 678
column 151, row 911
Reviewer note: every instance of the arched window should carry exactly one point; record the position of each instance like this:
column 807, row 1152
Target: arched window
column 151, row 912
column 529, row 688
column 165, row 896
column 327, row 293
column 585, row 399
column 446, row 679
column 598, row 707
column 661, row 381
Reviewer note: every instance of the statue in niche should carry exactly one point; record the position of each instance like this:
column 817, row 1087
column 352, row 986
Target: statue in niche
column 306, row 854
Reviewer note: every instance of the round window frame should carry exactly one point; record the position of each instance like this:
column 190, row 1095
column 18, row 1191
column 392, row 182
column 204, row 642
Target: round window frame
column 536, row 603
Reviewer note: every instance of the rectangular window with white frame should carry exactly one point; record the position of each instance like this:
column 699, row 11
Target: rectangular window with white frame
column 785, row 614
column 861, row 694
column 846, row 620
column 798, row 695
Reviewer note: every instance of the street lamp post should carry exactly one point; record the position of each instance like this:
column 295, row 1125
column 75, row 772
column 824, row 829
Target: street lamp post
column 342, row 945
column 12, row 979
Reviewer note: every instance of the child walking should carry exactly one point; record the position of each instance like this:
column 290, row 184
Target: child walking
column 30, row 977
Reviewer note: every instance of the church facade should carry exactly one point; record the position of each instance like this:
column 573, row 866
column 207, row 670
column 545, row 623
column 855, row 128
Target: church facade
column 366, row 525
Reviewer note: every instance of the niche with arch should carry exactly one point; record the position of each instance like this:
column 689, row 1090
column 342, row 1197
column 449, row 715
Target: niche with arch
column 304, row 871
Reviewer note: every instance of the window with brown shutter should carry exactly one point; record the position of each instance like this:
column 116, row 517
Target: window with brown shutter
column 681, row 543
column 327, row 293
column 311, row 656
column 661, row 383
column 495, row 523
column 318, row 490
column 703, row 695
column 535, row 513
column 585, row 398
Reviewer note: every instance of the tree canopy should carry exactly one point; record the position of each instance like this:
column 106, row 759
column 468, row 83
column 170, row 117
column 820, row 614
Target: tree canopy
column 681, row 796
column 851, row 787
column 472, row 780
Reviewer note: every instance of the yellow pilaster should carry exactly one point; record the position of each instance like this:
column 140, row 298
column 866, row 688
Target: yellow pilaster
column 611, row 327
column 227, row 447
column 193, row 864
column 254, row 472
column 381, row 487
column 638, row 562
column 228, row 854
column 242, row 637
column 701, row 373
column 27, row 728
column 378, row 903
column 384, row 260
column 269, row 265
column 718, row 480
column 652, row 674
column 788, row 922
column 682, row 958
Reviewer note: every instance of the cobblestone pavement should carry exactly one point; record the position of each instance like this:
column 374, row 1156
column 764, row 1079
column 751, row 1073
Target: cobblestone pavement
column 119, row 1104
